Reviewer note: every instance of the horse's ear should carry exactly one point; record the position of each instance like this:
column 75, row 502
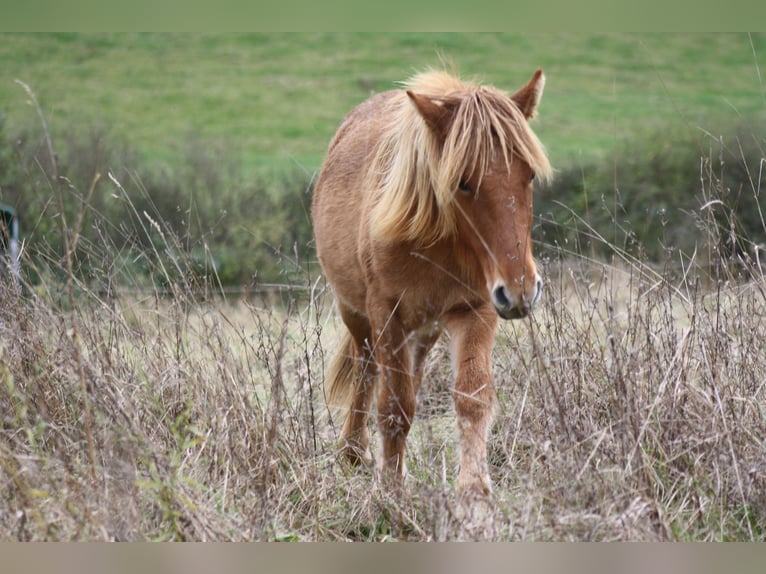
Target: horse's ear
column 437, row 117
column 528, row 97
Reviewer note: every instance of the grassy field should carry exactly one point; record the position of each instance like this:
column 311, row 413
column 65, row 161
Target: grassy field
column 138, row 402
column 276, row 99
column 220, row 136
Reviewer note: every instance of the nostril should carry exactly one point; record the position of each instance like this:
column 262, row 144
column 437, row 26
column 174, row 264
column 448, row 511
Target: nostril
column 501, row 297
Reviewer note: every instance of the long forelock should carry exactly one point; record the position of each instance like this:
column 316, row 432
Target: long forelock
column 414, row 178
column 487, row 122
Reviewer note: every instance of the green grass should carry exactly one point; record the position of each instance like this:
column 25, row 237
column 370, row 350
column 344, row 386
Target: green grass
column 276, row 99
column 219, row 136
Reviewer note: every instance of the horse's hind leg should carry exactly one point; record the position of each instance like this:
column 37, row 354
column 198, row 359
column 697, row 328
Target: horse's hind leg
column 423, row 343
column 356, row 441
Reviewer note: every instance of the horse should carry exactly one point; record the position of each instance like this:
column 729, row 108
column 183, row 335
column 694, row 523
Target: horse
column 422, row 215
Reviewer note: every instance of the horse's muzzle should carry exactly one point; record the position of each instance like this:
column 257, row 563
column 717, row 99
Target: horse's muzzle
column 509, row 306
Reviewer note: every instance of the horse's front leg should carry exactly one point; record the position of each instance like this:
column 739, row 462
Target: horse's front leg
column 396, row 395
column 473, row 334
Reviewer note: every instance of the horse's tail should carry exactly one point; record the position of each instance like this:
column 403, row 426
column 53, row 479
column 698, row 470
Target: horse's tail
column 342, row 373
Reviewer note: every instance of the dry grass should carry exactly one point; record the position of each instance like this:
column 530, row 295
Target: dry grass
column 629, row 409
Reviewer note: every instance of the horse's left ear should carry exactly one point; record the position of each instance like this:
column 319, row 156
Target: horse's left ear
column 528, row 97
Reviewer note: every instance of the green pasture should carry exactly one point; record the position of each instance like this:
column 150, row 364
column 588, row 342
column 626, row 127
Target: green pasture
column 274, row 100
column 219, row 136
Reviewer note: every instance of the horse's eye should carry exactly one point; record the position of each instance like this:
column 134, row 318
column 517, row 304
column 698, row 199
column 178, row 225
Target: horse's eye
column 464, row 187
column 532, row 178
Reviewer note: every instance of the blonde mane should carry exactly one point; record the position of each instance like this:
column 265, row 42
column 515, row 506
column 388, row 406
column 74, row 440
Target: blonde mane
column 414, row 177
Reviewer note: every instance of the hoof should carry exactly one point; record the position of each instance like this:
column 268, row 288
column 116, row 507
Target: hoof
column 474, row 487
column 356, row 454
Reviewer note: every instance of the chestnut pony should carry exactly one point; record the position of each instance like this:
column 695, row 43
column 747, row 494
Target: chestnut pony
column 422, row 215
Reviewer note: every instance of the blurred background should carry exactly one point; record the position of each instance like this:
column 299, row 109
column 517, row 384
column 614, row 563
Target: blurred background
column 216, row 139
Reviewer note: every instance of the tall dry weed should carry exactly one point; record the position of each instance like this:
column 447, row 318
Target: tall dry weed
column 630, row 405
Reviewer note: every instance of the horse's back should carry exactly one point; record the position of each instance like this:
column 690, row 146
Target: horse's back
column 350, row 151
column 338, row 208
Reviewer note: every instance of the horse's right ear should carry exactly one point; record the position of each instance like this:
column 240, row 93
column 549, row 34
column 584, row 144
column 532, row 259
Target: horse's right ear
column 437, row 117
